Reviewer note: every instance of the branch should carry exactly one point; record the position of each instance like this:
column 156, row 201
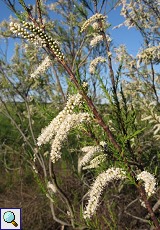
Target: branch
column 61, row 193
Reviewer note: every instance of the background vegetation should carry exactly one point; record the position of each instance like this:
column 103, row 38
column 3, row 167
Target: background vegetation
column 125, row 91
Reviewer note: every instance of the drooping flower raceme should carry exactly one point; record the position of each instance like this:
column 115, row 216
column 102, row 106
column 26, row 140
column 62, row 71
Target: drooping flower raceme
column 97, row 188
column 149, row 182
column 149, row 54
column 90, row 151
column 60, row 126
column 94, row 63
column 71, row 120
column 34, row 33
column 95, row 162
column 19, row 30
column 42, row 67
column 48, row 132
column 92, row 19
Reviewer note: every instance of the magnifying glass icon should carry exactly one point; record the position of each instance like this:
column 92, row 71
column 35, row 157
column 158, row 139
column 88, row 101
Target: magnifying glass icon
column 9, row 217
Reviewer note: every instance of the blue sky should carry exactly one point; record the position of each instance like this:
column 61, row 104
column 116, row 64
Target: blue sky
column 130, row 37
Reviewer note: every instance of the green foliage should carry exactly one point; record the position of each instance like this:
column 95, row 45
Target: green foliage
column 126, row 118
column 8, row 133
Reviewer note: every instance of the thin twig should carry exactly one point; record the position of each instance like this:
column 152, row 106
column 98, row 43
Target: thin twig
column 61, row 193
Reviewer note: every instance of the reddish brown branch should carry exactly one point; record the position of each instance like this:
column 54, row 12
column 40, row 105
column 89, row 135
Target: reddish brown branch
column 39, row 12
column 98, row 117
column 148, row 206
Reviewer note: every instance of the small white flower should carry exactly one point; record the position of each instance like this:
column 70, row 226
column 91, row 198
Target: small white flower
column 96, row 190
column 94, row 63
column 95, row 25
column 42, row 67
column 71, row 120
column 149, row 182
column 96, row 40
column 151, row 53
column 48, row 132
column 95, row 162
column 52, row 187
column 90, row 151
column 92, row 20
column 103, row 143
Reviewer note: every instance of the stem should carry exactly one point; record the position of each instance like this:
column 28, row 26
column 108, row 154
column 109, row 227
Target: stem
column 91, row 106
column 59, row 84
column 39, row 12
column 148, row 206
column 153, row 83
column 61, row 193
column 54, row 216
column 30, row 122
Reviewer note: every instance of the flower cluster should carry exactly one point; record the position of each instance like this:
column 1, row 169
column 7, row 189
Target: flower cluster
column 89, row 154
column 53, row 6
column 48, row 132
column 94, row 63
column 97, row 188
column 149, row 54
column 95, row 162
column 95, row 25
column 141, row 14
column 33, row 33
column 70, row 121
column 109, row 39
column 52, row 187
column 122, row 56
column 85, row 84
column 121, row 53
column 96, row 39
column 103, row 144
column 60, row 126
column 92, row 19
column 149, row 182
column 153, row 118
column 42, row 67
column 18, row 30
